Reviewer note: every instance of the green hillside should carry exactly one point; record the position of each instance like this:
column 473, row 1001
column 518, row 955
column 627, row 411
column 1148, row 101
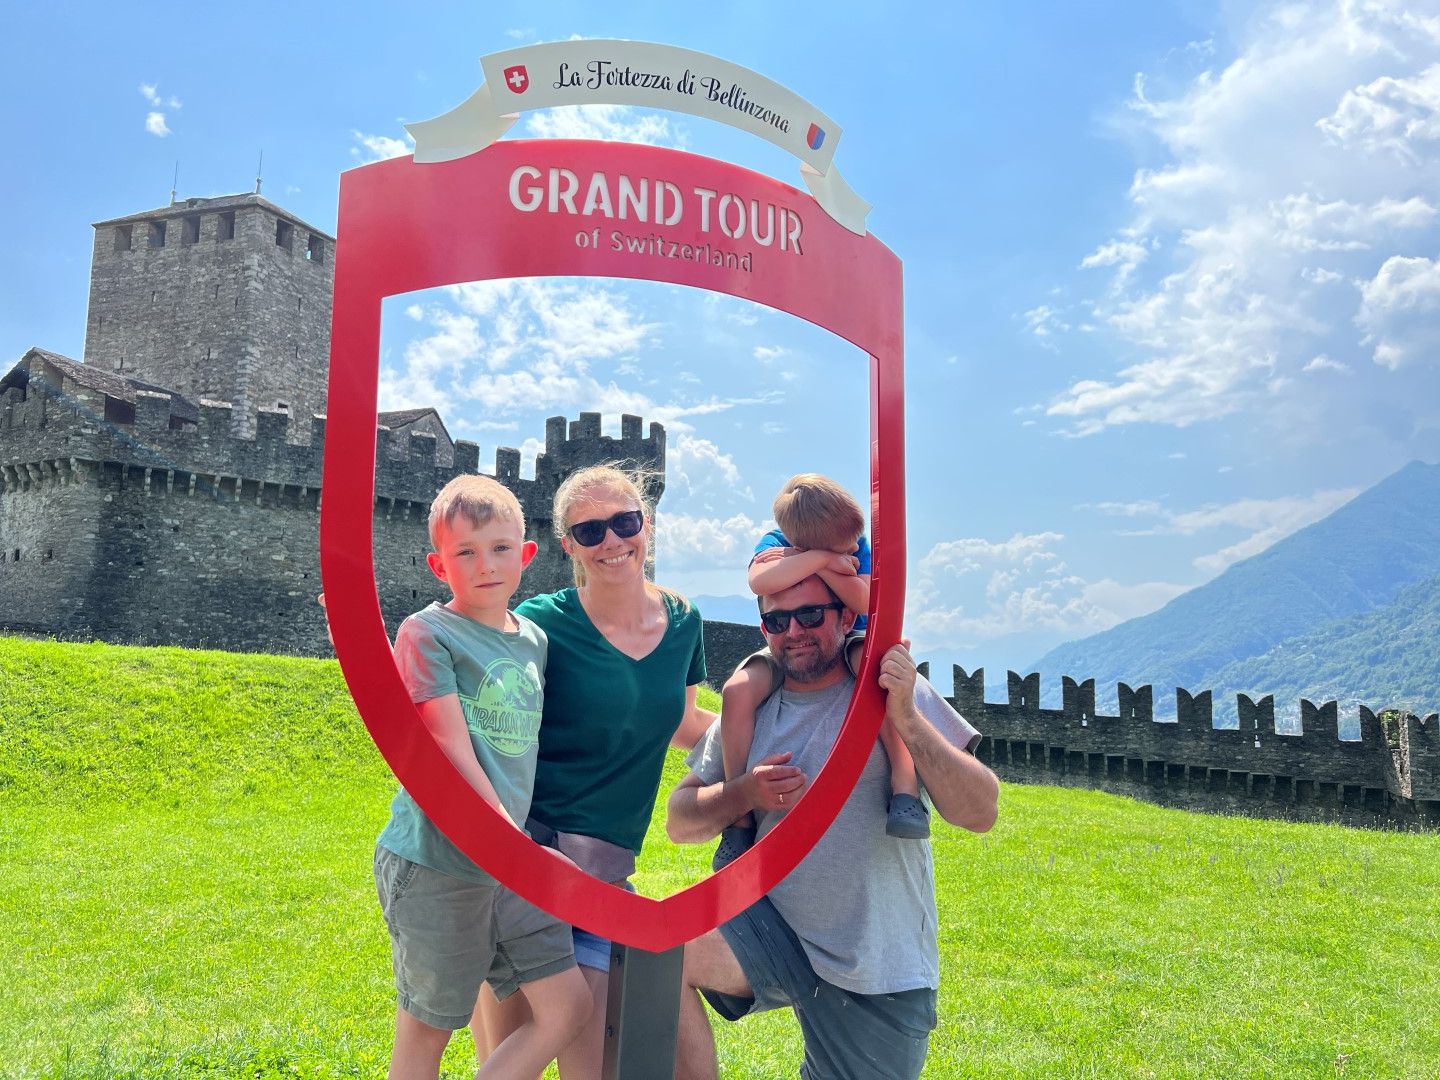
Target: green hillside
column 1351, row 563
column 1388, row 658
column 185, row 845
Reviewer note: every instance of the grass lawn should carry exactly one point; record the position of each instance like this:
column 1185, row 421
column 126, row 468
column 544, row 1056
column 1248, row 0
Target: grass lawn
column 185, row 844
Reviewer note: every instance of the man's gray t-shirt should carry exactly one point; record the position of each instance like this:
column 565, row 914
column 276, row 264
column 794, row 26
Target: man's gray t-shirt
column 500, row 680
column 862, row 903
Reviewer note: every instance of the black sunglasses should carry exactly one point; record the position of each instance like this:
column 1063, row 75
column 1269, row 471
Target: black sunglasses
column 624, row 525
column 810, row 616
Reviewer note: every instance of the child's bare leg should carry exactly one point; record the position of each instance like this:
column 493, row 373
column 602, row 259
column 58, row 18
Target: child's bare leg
column 418, row 1046
column 559, row 1006
column 902, row 765
column 741, row 695
column 494, row 1020
column 908, row 818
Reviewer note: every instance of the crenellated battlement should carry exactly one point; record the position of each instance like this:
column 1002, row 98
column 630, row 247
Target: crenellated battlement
column 58, row 418
column 1379, row 777
column 134, row 515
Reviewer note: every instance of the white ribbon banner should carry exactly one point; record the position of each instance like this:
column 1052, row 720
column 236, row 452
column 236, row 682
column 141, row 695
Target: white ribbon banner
column 650, row 76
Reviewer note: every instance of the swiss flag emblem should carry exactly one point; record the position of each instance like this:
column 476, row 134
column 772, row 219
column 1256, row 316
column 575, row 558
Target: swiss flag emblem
column 517, row 78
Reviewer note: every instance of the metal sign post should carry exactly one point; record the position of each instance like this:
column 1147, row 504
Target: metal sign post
column 642, row 1015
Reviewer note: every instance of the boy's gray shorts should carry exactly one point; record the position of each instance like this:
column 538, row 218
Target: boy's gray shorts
column 448, row 935
column 848, row 1036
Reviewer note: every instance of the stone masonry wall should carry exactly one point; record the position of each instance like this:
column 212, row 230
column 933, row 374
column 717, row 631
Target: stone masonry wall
column 143, row 533
column 1381, row 779
column 240, row 319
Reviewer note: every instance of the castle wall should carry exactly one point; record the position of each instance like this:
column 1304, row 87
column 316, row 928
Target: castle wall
column 1311, row 775
column 199, row 537
column 48, row 540
column 239, row 318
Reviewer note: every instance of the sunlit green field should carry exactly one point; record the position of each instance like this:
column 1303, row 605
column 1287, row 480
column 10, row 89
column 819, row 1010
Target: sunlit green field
column 185, row 846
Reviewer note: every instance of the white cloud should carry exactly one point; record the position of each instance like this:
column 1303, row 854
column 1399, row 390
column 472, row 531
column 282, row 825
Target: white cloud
column 1388, row 115
column 529, row 345
column 694, row 466
column 380, row 147
column 1124, row 255
column 1045, row 322
column 1398, row 311
column 767, row 353
column 973, row 590
column 155, row 121
column 1324, row 363
column 150, row 92
column 1265, row 521
column 690, row 542
column 613, row 123
column 1263, row 164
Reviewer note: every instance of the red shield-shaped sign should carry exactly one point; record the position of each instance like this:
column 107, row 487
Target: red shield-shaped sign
column 517, row 78
column 404, row 227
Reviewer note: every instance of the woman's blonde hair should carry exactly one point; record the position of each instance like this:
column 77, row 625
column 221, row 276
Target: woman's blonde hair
column 632, row 483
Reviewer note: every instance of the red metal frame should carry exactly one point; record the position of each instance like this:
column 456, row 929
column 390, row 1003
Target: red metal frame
column 404, row 227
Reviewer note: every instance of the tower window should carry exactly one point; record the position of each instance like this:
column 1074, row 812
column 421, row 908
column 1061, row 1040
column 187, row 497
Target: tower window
column 217, row 292
column 315, row 249
column 299, row 302
column 190, row 229
column 284, row 234
column 124, row 237
column 227, row 226
column 157, row 234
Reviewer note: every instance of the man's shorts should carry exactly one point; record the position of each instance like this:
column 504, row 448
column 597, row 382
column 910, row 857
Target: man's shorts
column 848, row 1036
column 448, row 935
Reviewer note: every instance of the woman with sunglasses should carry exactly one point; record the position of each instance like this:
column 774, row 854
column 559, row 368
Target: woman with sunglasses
column 625, row 659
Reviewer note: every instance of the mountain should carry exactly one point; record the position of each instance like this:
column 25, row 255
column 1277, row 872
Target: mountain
column 1383, row 658
column 736, row 609
column 1309, row 586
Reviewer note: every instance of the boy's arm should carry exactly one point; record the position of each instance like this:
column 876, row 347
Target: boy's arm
column 964, row 791
column 776, row 569
column 853, row 589
column 445, row 720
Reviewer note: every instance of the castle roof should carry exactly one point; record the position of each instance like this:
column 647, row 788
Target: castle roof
column 217, row 203
column 399, row 418
column 94, row 378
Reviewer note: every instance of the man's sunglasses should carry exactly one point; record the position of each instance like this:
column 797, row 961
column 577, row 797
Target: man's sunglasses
column 624, row 525
column 777, row 621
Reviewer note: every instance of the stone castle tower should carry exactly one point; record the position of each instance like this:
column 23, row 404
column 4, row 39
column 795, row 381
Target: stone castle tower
column 167, row 490
column 224, row 299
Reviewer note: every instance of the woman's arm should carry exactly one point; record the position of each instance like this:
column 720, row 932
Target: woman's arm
column 693, row 724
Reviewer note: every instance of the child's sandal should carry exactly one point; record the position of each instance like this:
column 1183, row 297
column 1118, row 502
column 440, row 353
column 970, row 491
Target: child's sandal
column 734, row 842
column 908, row 818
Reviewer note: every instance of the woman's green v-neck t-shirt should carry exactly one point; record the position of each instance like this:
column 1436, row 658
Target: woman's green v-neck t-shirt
column 608, row 718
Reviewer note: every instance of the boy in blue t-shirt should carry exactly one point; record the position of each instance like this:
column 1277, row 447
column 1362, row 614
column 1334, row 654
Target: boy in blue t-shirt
column 821, row 533
column 475, row 671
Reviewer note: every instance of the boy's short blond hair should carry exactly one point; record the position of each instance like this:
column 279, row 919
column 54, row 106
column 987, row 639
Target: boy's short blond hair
column 478, row 499
column 816, row 513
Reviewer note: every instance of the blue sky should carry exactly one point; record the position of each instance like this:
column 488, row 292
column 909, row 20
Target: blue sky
column 1171, row 268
